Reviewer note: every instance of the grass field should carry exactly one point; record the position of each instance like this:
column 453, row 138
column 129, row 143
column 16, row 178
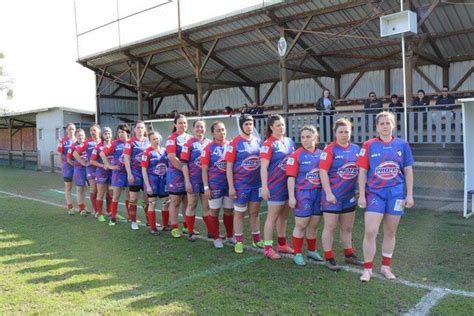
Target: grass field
column 52, row 263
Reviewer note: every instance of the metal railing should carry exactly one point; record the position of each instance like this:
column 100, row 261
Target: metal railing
column 21, row 159
column 426, row 125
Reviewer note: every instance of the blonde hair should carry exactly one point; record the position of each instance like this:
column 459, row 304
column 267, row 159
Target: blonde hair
column 389, row 115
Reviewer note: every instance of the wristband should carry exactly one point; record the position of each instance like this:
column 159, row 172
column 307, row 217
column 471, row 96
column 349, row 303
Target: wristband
column 206, row 187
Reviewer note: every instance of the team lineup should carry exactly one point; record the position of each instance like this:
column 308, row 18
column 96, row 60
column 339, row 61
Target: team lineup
column 236, row 175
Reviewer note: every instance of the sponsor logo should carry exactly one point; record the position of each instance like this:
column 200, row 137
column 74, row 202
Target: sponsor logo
column 160, row 169
column 362, row 152
column 282, row 165
column 290, row 161
column 399, row 153
column 251, row 163
column 264, row 149
column 230, row 148
column 324, row 155
column 144, row 158
column 185, row 149
column 313, row 176
column 197, row 162
column 348, row 171
column 339, row 157
column 375, row 155
column 169, row 142
column 387, row 170
column 221, row 164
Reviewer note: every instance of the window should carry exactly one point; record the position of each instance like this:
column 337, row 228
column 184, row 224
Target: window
column 58, row 134
column 41, row 134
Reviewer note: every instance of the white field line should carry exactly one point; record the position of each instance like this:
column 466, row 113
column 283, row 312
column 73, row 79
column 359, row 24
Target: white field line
column 140, row 207
column 427, row 302
column 8, row 197
column 344, row 267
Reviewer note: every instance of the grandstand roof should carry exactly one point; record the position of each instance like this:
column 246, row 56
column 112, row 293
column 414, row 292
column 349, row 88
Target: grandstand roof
column 326, row 38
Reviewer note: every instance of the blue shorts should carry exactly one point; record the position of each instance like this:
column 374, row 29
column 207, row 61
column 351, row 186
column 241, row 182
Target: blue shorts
column 343, row 203
column 119, row 179
column 91, row 171
column 158, row 185
column 217, row 193
column 67, row 170
column 386, row 201
column 198, row 187
column 137, row 175
column 175, row 182
column 80, row 178
column 308, row 203
column 278, row 194
column 103, row 176
column 244, row 196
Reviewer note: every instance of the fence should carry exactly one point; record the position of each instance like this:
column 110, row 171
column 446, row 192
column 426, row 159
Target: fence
column 21, row 159
column 434, row 125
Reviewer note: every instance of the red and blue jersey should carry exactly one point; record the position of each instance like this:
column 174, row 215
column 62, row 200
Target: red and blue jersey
column 385, row 162
column 277, row 153
column 244, row 154
column 135, row 148
column 116, row 150
column 81, row 149
column 95, row 156
column 304, row 166
column 191, row 153
column 63, row 147
column 174, row 145
column 213, row 156
column 91, row 143
column 341, row 165
column 155, row 162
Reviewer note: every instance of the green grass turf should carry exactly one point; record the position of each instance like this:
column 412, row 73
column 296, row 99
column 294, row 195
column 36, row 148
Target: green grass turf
column 53, row 263
column 454, row 305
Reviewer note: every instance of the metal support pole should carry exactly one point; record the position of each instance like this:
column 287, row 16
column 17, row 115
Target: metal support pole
column 51, row 158
column 139, row 93
column 405, row 94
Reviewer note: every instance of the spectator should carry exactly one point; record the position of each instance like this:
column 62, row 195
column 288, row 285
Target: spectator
column 395, row 106
column 245, row 109
column 372, row 105
column 229, row 111
column 325, row 103
column 445, row 99
column 421, row 100
column 173, row 114
column 255, row 109
column 325, row 107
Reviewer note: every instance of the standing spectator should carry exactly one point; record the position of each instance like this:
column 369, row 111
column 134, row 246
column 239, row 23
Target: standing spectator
column 372, row 104
column 255, row 109
column 445, row 99
column 395, row 106
column 325, row 108
column 228, row 111
column 421, row 100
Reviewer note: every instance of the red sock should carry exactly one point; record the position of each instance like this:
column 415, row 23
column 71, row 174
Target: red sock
column 256, row 236
column 152, row 219
column 132, row 212
column 108, row 198
column 229, row 225
column 281, row 241
column 214, row 224
column 348, row 252
column 174, row 226
column 189, row 221
column 297, row 244
column 93, row 197
column 127, row 204
column 165, row 217
column 205, row 219
column 311, row 244
column 328, row 255
column 145, row 210
column 386, row 261
column 69, row 206
column 99, row 204
column 368, row 265
column 185, row 225
column 113, row 209
column 82, row 206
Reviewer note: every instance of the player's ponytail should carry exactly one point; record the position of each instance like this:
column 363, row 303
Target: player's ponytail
column 270, row 121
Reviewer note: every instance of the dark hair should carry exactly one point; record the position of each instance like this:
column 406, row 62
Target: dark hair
column 270, row 121
column 372, row 92
column 155, row 133
column 394, row 96
column 70, row 124
column 202, row 121
column 342, row 122
column 176, row 118
column 310, row 128
column 422, row 91
column 244, row 118
column 445, row 87
column 214, row 125
column 324, row 90
column 146, row 129
column 124, row 127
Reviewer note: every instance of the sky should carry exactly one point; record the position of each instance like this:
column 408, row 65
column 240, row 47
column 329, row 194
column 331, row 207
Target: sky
column 38, row 39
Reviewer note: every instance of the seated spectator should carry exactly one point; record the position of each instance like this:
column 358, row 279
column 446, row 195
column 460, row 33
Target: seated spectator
column 228, row 111
column 421, row 100
column 372, row 105
column 245, row 109
column 255, row 109
column 325, row 104
column 395, row 106
column 445, row 99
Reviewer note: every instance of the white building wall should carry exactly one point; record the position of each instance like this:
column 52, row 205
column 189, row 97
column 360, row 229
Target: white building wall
column 48, row 121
